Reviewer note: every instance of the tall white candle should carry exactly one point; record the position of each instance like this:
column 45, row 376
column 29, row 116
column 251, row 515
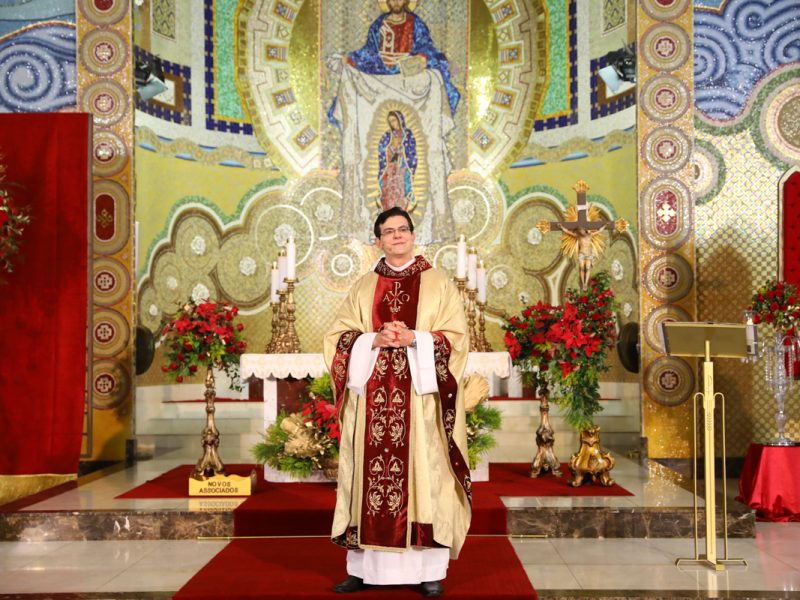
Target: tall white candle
column 282, row 269
column 275, row 283
column 472, row 269
column 481, row 276
column 291, row 255
column 461, row 262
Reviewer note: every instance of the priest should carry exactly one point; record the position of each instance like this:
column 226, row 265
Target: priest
column 396, row 353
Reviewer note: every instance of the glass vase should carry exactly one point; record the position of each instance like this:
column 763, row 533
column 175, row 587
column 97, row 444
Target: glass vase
column 779, row 358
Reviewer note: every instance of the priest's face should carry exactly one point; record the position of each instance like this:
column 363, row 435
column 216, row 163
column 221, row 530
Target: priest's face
column 396, row 241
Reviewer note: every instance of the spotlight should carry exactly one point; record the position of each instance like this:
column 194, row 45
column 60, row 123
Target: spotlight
column 621, row 67
column 149, row 78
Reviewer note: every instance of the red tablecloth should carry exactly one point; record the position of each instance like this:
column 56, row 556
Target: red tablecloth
column 770, row 482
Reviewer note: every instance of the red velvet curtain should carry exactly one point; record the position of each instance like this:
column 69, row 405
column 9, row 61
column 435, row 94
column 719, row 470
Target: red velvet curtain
column 790, row 236
column 44, row 305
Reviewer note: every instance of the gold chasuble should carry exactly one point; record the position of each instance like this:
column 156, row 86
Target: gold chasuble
column 403, row 475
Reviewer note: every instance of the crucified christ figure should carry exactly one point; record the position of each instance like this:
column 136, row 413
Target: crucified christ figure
column 585, row 242
column 581, row 231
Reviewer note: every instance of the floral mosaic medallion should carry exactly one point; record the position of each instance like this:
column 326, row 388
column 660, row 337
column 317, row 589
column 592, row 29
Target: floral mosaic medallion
column 537, row 252
column 106, row 100
column 669, row 381
column 780, row 122
column 110, row 154
column 110, row 280
column 665, row 47
column 111, row 220
column 110, row 333
column 197, row 242
column 707, row 168
column 664, row 98
column 104, row 12
column 243, row 271
column 341, row 262
column 665, row 10
column 652, row 323
column 666, row 149
column 110, row 383
column 666, row 213
column 103, row 52
column 668, row 278
column 149, row 309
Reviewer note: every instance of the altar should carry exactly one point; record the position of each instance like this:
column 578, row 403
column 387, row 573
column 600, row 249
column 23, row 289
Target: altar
column 272, row 367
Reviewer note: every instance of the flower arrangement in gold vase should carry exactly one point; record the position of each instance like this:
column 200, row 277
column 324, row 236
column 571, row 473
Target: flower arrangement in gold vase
column 204, row 335
column 569, row 345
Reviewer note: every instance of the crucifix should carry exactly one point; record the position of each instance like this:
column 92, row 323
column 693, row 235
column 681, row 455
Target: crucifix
column 580, row 232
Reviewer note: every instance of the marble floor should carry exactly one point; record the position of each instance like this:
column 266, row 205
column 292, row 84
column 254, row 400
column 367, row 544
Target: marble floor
column 557, row 567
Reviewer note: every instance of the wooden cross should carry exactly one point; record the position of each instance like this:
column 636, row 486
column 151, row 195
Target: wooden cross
column 583, row 216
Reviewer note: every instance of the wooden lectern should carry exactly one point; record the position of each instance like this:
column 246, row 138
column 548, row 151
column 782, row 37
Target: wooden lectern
column 707, row 340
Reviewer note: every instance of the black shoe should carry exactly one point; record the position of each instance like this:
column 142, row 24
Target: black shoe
column 431, row 589
column 349, row 585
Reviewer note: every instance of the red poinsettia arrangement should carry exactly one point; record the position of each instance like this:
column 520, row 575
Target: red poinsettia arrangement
column 526, row 335
column 322, row 414
column 577, row 337
column 203, row 335
column 775, row 303
column 13, row 220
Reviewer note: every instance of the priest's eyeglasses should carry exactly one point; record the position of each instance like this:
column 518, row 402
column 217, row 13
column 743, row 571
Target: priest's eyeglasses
column 391, row 231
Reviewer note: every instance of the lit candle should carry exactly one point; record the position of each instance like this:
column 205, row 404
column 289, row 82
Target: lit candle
column 461, row 263
column 276, row 283
column 472, row 268
column 481, row 272
column 291, row 255
column 282, row 269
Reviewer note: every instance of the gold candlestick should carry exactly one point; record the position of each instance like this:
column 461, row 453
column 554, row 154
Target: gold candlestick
column 461, row 284
column 283, row 325
column 473, row 335
column 275, row 331
column 483, row 343
column 292, row 341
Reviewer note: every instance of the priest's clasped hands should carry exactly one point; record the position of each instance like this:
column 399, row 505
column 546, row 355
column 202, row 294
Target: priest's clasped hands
column 394, row 334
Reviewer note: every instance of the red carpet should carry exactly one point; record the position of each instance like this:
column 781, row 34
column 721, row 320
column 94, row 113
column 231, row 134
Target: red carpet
column 512, row 479
column 308, row 567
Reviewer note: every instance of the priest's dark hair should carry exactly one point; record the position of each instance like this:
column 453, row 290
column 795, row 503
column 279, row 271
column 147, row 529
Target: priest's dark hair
column 395, row 211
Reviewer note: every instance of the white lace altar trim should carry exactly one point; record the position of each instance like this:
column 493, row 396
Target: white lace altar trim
column 280, row 366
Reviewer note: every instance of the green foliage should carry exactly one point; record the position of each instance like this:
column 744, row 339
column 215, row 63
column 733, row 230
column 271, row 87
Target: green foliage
column 481, row 422
column 322, row 386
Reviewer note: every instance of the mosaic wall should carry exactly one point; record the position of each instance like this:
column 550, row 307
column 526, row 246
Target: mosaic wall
column 37, row 57
column 747, row 90
column 666, row 219
column 105, row 89
column 215, row 231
